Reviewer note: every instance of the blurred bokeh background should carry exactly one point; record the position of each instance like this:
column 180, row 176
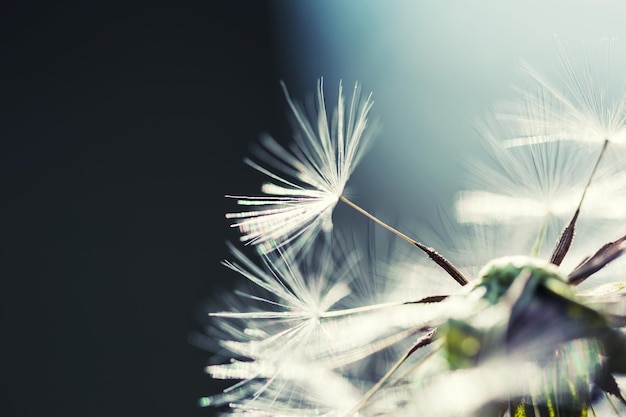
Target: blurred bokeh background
column 436, row 68
column 123, row 124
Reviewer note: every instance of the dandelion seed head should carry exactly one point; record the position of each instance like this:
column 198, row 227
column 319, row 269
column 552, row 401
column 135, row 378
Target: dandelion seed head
column 309, row 177
column 587, row 109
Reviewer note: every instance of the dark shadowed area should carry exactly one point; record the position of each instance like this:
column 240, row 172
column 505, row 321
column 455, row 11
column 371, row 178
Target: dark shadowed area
column 122, row 126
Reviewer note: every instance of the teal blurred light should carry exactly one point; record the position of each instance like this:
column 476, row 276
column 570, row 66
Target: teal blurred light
column 435, row 67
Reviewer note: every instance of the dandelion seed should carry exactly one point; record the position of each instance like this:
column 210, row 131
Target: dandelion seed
column 539, row 186
column 302, row 321
column 538, row 166
column 299, row 200
column 294, row 212
column 588, row 109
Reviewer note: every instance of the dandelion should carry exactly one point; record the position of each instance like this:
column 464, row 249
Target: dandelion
column 298, row 204
column 523, row 339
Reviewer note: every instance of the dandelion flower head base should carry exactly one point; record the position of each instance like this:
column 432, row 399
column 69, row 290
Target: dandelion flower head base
column 309, row 177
